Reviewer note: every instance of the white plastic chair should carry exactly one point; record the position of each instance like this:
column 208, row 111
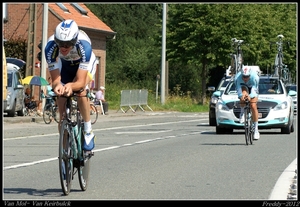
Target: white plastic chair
column 101, row 105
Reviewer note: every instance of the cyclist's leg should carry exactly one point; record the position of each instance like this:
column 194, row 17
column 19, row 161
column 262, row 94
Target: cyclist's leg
column 253, row 105
column 254, row 110
column 245, row 92
column 61, row 103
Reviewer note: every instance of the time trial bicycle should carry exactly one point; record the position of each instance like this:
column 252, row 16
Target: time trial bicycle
column 72, row 158
column 248, row 123
column 237, row 56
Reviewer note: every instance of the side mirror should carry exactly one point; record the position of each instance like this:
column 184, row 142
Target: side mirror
column 19, row 86
column 211, row 88
column 217, row 93
column 292, row 93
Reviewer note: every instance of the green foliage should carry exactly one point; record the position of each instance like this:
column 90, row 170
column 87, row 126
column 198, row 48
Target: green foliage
column 132, row 56
column 17, row 48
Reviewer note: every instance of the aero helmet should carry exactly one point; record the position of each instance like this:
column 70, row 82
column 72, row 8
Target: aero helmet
column 66, row 33
column 246, row 71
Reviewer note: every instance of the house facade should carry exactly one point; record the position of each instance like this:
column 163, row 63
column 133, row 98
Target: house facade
column 20, row 18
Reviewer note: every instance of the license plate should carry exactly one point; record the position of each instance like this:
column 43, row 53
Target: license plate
column 259, row 115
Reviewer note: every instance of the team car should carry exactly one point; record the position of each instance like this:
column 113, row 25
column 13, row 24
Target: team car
column 275, row 107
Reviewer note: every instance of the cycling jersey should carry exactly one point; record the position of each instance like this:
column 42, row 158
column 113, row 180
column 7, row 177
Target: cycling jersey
column 251, row 84
column 80, row 57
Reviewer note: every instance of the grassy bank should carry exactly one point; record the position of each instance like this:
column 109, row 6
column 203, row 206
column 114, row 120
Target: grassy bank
column 174, row 102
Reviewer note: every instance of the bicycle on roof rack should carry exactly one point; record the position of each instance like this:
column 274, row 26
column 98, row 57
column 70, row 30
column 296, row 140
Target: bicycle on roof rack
column 281, row 69
column 237, row 56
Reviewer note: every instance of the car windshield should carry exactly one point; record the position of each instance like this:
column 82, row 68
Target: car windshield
column 266, row 86
column 291, row 87
column 231, row 88
column 270, row 86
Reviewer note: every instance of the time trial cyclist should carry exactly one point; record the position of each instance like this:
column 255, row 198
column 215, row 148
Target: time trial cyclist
column 72, row 64
column 246, row 82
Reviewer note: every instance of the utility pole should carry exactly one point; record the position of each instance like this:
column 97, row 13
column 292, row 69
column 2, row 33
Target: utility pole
column 163, row 55
column 44, row 42
column 30, row 61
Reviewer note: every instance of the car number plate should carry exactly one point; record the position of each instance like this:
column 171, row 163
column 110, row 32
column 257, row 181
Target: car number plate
column 259, row 115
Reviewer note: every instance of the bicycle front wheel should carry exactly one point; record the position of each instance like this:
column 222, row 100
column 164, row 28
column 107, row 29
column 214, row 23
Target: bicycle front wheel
column 65, row 158
column 251, row 133
column 84, row 169
column 247, row 128
column 47, row 114
column 93, row 113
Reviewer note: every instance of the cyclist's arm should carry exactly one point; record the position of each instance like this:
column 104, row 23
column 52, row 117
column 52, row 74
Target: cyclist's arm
column 80, row 80
column 254, row 89
column 238, row 87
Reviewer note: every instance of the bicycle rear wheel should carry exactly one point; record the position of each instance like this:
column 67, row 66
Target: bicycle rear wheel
column 65, row 158
column 247, row 127
column 93, row 113
column 47, row 114
column 84, row 169
column 251, row 133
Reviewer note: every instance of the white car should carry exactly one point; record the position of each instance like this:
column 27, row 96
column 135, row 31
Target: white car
column 294, row 88
column 275, row 107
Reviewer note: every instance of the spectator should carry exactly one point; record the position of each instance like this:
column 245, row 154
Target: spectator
column 31, row 103
column 100, row 96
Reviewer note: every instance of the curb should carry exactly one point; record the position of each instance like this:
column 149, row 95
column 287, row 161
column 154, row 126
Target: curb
column 282, row 186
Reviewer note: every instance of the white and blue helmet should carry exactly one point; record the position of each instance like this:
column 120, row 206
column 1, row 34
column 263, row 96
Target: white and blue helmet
column 66, row 33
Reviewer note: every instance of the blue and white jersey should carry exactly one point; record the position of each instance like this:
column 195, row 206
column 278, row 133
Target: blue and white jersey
column 252, row 84
column 80, row 57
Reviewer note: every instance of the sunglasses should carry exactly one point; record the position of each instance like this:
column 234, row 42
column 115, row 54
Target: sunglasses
column 246, row 76
column 65, row 44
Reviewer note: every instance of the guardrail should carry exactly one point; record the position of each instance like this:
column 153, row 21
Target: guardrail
column 134, row 99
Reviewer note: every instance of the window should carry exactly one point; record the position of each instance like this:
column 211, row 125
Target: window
column 62, row 6
column 79, row 8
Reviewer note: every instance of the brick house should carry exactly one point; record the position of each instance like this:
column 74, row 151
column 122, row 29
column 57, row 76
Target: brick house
column 16, row 25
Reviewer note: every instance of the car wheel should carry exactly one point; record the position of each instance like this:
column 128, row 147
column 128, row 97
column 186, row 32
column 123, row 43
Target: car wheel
column 212, row 122
column 212, row 119
column 220, row 130
column 12, row 112
column 288, row 128
column 22, row 111
column 228, row 131
column 292, row 127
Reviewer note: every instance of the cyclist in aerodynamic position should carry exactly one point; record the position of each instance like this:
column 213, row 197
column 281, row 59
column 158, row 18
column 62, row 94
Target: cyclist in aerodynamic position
column 72, row 64
column 246, row 82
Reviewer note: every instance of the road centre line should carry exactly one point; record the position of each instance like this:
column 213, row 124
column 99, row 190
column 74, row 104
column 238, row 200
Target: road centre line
column 100, row 150
column 104, row 129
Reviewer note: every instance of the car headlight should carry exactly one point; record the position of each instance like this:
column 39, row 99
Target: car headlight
column 222, row 106
column 214, row 99
column 281, row 106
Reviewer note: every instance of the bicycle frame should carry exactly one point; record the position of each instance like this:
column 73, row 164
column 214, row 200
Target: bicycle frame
column 248, row 123
column 237, row 57
column 71, row 156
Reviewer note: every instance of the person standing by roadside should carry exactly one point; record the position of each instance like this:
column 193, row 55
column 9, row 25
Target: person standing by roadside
column 100, row 96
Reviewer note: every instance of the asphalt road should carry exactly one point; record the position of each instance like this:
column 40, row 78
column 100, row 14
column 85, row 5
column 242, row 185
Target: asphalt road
column 148, row 156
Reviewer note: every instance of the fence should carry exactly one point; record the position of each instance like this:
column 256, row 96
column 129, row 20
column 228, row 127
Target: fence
column 134, row 99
